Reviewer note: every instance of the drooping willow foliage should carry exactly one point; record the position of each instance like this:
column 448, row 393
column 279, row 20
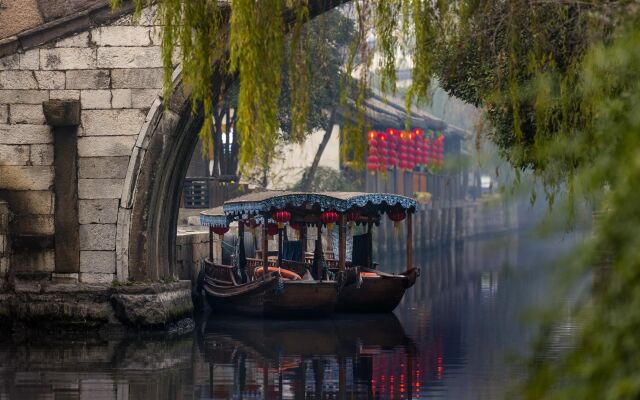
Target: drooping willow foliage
column 558, row 80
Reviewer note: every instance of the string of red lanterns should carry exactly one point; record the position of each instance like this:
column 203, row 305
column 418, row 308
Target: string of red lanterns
column 404, row 149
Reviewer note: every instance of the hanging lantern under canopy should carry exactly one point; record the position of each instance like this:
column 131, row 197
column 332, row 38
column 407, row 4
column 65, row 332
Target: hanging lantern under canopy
column 281, row 217
column 220, row 231
column 329, row 218
column 272, row 229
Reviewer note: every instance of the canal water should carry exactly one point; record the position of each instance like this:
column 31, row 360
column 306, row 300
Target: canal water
column 457, row 335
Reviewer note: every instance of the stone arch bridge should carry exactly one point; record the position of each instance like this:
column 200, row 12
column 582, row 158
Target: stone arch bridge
column 91, row 155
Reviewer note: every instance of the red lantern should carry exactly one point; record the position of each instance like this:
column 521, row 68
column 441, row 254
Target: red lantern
column 281, row 217
column 272, row 229
column 397, row 215
column 372, row 135
column 296, row 226
column 329, row 218
column 352, row 217
column 220, row 230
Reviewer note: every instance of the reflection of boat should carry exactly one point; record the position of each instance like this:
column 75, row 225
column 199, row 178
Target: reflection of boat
column 273, row 284
column 330, row 357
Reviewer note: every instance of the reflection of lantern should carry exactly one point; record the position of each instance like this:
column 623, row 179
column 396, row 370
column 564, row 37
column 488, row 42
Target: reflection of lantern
column 272, row 229
column 329, row 218
column 220, row 230
column 281, row 217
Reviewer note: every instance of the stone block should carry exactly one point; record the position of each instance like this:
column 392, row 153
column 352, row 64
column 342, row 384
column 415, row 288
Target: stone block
column 92, row 99
column 34, row 261
column 68, row 58
column 99, row 188
column 23, row 96
column 33, row 225
column 88, row 79
column 97, row 262
column 17, row 80
column 4, row 112
column 10, row 62
column 103, row 167
column 121, row 36
column 143, row 98
column 14, row 155
column 26, row 114
column 41, row 154
column 112, row 122
column 26, row 177
column 50, row 79
column 25, row 134
column 129, row 57
column 101, row 211
column 144, row 78
column 120, row 98
column 30, row 59
column 64, row 95
column 103, row 146
column 96, row 278
column 79, row 40
column 98, row 237
column 34, row 202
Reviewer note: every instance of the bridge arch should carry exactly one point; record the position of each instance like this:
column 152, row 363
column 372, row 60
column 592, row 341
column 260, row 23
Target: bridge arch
column 133, row 146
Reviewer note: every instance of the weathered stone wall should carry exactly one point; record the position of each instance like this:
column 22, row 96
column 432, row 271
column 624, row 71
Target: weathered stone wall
column 115, row 72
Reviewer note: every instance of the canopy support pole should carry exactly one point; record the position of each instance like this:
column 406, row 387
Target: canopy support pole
column 409, row 241
column 265, row 249
column 303, row 240
column 211, row 244
column 280, row 247
column 369, row 245
column 242, row 257
column 342, row 242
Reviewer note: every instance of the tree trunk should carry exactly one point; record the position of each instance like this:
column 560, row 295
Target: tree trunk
column 307, row 178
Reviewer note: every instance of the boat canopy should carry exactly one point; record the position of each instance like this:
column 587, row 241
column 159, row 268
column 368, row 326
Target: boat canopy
column 214, row 217
column 262, row 203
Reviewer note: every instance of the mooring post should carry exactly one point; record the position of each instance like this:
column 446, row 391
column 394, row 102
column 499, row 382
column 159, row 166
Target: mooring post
column 64, row 117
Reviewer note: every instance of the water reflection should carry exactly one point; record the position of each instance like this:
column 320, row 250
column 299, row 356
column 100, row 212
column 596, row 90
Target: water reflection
column 449, row 338
column 345, row 357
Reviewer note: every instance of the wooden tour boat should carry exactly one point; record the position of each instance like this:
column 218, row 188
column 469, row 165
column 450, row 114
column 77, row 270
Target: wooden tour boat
column 294, row 282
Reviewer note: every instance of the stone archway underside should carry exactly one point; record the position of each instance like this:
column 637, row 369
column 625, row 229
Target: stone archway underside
column 147, row 218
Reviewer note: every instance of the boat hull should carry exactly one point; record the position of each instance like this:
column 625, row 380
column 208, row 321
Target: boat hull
column 376, row 294
column 296, row 299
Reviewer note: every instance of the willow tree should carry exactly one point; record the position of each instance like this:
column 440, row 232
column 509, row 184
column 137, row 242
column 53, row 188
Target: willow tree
column 558, row 80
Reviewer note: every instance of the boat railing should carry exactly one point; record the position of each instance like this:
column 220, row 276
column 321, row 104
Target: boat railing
column 298, row 267
column 218, row 274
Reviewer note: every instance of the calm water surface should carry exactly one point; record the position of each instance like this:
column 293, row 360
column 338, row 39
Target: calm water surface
column 451, row 338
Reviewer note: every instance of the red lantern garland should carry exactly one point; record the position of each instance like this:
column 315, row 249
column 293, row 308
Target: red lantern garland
column 281, row 217
column 329, row 218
